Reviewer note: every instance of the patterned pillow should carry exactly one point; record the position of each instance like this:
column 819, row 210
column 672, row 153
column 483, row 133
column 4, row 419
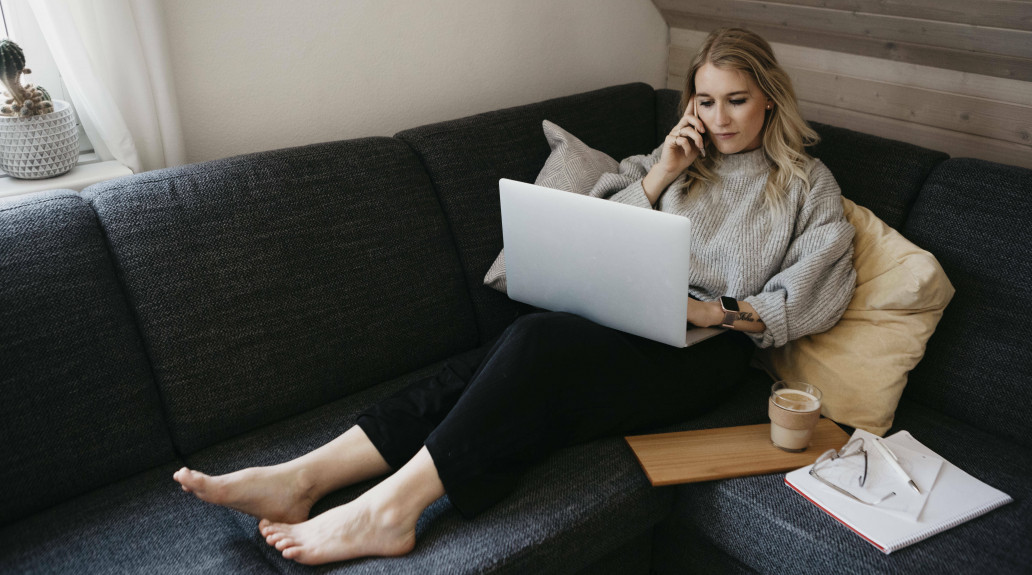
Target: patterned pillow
column 571, row 167
column 861, row 364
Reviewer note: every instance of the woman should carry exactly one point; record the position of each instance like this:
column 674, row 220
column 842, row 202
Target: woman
column 770, row 237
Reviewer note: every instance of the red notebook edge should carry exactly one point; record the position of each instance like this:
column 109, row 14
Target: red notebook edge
column 836, row 517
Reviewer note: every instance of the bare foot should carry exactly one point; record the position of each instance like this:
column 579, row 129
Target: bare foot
column 357, row 529
column 270, row 492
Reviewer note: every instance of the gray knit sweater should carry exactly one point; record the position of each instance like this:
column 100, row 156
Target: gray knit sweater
column 796, row 270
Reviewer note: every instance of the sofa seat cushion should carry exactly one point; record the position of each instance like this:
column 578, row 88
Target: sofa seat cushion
column 973, row 215
column 78, row 406
column 763, row 524
column 268, row 284
column 144, row 524
column 467, row 157
column 567, row 512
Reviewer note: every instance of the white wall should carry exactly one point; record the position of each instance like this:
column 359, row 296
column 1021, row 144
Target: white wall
column 263, row 74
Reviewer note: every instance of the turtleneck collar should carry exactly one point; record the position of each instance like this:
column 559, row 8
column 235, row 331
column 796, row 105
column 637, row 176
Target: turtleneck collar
column 744, row 163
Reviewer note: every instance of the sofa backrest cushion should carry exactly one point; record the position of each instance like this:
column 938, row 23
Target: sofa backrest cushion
column 268, row 284
column 79, row 408
column 667, row 104
column 974, row 216
column 467, row 157
column 880, row 174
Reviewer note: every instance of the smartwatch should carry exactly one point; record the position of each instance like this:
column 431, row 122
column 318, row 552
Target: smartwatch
column 730, row 307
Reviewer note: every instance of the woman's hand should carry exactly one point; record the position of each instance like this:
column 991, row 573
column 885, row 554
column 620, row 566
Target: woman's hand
column 680, row 148
column 710, row 314
column 704, row 313
column 684, row 143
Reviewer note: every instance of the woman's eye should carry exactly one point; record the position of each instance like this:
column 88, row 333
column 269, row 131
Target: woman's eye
column 737, row 102
column 705, row 104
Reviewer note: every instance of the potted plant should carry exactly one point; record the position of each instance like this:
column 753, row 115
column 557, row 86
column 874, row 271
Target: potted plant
column 38, row 136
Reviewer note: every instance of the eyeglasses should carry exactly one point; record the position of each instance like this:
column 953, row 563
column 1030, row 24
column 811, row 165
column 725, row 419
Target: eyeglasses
column 842, row 466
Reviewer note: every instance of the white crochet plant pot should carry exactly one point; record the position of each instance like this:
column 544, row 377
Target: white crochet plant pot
column 36, row 147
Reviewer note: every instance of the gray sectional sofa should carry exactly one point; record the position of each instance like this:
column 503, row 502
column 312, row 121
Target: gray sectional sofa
column 242, row 311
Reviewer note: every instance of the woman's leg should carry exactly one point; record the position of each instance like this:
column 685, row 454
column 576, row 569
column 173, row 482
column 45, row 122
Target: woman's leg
column 286, row 492
column 387, row 435
column 558, row 379
column 381, row 522
column 552, row 380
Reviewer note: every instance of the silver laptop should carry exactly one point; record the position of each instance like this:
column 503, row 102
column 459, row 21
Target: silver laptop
column 617, row 265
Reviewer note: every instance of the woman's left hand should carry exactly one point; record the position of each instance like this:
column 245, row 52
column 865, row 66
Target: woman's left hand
column 704, row 313
column 710, row 314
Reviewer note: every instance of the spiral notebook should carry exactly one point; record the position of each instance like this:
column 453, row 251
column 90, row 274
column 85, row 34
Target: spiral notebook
column 949, row 496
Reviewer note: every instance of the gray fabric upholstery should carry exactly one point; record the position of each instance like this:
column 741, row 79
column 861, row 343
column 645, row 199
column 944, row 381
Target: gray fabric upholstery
column 269, row 284
column 144, row 524
column 467, row 157
column 763, row 524
column 973, row 215
column 882, row 175
column 560, row 518
column 79, row 407
column 667, row 103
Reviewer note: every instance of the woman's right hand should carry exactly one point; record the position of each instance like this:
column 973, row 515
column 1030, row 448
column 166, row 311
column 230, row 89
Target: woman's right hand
column 684, row 143
column 682, row 146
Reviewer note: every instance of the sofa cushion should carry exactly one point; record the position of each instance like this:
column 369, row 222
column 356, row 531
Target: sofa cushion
column 569, row 510
column 762, row 523
column 667, row 104
column 271, row 283
column 144, row 524
column 572, row 166
column 467, row 157
column 79, row 406
column 861, row 364
column 973, row 215
column 880, row 174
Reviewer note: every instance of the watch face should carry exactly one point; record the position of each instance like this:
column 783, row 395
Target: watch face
column 728, row 303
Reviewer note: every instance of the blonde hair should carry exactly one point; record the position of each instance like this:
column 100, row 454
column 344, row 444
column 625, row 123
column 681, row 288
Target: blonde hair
column 785, row 133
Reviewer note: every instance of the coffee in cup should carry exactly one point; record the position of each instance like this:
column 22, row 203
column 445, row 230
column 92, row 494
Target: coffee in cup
column 794, row 408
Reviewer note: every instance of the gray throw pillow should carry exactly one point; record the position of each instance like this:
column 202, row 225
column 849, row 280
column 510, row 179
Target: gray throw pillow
column 571, row 167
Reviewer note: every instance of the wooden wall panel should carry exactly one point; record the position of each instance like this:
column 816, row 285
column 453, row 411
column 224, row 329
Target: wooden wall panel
column 1000, row 65
column 1013, row 14
column 958, row 86
column 989, row 40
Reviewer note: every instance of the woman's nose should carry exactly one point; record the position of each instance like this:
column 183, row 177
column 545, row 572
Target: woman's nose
column 720, row 117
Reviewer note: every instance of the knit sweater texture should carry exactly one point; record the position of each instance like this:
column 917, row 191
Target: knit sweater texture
column 795, row 268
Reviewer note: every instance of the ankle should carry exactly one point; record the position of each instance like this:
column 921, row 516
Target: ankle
column 392, row 510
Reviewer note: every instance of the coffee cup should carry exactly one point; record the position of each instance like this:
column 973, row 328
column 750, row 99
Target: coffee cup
column 794, row 408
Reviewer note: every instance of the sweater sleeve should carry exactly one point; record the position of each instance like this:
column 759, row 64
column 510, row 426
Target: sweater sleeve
column 625, row 187
column 816, row 280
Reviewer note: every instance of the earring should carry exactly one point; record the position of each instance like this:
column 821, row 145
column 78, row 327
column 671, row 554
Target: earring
column 770, row 106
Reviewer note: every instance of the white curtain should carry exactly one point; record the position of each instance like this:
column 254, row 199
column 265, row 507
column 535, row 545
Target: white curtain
column 113, row 57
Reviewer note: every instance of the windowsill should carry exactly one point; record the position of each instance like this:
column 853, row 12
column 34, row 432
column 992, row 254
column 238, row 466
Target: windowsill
column 87, row 172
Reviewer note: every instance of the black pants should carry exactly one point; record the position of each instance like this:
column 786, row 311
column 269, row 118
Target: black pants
column 549, row 381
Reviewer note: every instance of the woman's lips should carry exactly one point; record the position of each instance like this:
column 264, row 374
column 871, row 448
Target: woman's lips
column 726, row 136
